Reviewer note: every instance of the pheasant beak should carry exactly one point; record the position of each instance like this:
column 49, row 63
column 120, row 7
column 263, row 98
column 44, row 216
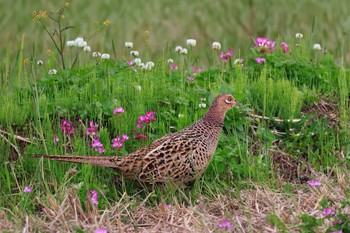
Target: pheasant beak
column 237, row 104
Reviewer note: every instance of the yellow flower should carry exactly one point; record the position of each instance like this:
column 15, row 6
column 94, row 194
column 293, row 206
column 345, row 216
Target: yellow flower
column 34, row 13
column 62, row 17
column 49, row 52
column 146, row 35
column 107, row 22
column 25, row 61
column 67, row 4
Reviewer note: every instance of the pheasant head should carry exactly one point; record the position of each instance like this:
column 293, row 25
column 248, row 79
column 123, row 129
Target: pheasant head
column 219, row 107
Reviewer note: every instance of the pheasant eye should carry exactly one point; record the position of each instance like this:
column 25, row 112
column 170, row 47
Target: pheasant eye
column 228, row 100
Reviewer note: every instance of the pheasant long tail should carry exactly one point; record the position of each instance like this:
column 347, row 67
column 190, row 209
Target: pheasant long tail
column 104, row 161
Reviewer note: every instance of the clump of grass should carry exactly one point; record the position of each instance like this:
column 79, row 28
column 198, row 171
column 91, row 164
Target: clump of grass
column 276, row 97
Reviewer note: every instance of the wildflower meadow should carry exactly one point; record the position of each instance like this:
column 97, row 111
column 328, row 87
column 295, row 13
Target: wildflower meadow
column 283, row 159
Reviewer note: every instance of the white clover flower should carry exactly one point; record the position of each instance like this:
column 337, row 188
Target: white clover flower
column 237, row 61
column 40, row 63
column 129, row 45
column 96, row 54
column 52, row 72
column 137, row 61
column 87, row 49
column 203, row 99
column 191, row 42
column 105, row 56
column 82, row 44
column 134, row 53
column 317, row 47
column 202, row 105
column 183, row 51
column 170, row 60
column 142, row 66
column 79, row 39
column 178, row 49
column 299, row 35
column 150, row 64
column 138, row 88
column 216, row 45
column 71, row 43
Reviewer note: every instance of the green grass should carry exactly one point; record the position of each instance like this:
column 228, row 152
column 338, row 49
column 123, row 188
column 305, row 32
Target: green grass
column 284, row 88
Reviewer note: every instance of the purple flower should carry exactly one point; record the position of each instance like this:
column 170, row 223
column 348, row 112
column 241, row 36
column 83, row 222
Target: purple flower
column 66, row 127
column 100, row 149
column 340, row 231
column 173, row 66
column 92, row 129
column 196, row 70
column 119, row 110
column 93, row 196
column 285, row 47
column 147, row 118
column 73, row 170
column 96, row 143
column 225, row 224
column 139, row 136
column 119, row 141
column 225, row 56
column 264, row 42
column 328, row 211
column 101, row 230
column 260, row 60
column 27, row 189
column 56, row 139
column 313, row 183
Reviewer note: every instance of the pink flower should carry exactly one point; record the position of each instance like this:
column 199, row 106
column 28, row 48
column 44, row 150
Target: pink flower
column 125, row 137
column 285, row 47
column 225, row 56
column 96, row 143
column 328, row 211
column 101, row 230
column 190, row 79
column 100, row 149
column 340, row 231
column 92, row 129
column 147, row 118
column 196, row 70
column 139, row 136
column 119, row 141
column 56, row 139
column 264, row 42
column 225, row 224
column 260, row 60
column 314, row 183
column 66, row 127
column 93, row 196
column 173, row 67
column 27, row 189
column 118, row 110
column 73, row 170
column 130, row 62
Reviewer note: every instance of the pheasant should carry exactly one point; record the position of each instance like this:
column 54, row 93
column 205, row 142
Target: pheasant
column 179, row 157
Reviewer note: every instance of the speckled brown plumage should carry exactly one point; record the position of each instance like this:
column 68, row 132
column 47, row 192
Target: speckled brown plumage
column 179, row 158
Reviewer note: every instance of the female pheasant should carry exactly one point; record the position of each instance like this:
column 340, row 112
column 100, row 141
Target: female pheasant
column 179, row 157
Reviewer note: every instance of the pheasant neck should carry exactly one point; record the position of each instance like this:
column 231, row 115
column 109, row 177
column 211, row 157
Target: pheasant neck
column 215, row 115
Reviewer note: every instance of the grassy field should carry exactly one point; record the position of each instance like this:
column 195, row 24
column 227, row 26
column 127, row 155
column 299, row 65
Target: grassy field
column 282, row 163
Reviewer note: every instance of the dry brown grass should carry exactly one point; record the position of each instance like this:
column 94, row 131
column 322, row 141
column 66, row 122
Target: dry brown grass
column 247, row 210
